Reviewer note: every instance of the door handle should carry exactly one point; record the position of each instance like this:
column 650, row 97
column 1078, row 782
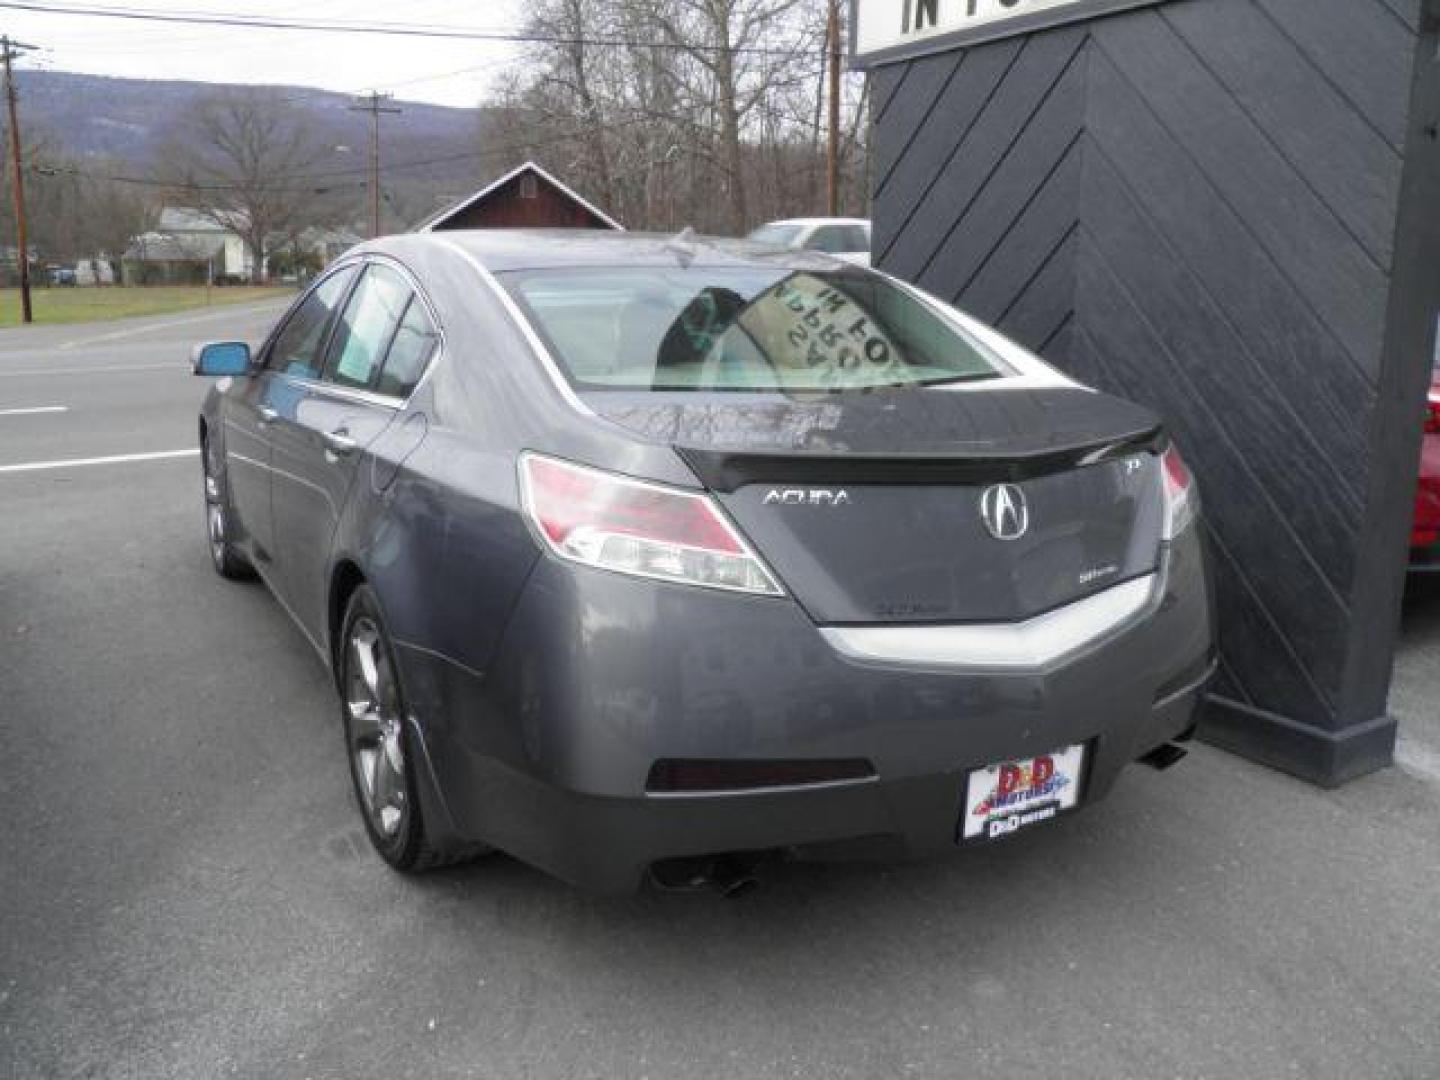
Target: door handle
column 339, row 441
column 268, row 415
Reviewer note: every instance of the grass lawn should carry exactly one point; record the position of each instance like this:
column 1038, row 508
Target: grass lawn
column 91, row 304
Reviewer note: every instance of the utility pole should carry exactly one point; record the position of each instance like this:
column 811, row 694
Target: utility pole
column 374, row 103
column 12, row 50
column 832, row 150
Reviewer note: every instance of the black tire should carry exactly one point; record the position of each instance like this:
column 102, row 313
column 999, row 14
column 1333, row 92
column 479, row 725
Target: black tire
column 379, row 744
column 219, row 517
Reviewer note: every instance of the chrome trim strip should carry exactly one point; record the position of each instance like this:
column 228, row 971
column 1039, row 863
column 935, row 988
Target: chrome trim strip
column 1030, row 644
column 344, row 393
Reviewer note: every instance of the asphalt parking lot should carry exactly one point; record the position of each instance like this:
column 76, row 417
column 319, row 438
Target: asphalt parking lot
column 185, row 890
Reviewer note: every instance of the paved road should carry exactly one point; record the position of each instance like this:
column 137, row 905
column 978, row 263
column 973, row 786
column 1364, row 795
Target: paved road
column 185, row 891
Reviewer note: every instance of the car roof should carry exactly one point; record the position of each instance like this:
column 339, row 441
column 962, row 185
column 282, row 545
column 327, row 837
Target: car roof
column 501, row 250
column 810, row 221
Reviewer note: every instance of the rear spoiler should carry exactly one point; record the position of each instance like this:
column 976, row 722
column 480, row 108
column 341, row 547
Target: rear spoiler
column 728, row 470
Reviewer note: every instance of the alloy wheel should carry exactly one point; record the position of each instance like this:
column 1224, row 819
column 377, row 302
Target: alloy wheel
column 214, row 511
column 376, row 750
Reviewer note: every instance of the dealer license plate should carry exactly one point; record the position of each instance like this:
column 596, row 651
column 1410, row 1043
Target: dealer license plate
column 1003, row 799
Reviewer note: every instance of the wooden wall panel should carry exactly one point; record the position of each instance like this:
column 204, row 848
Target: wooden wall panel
column 1196, row 205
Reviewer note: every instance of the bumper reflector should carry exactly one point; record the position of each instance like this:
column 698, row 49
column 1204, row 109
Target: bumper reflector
column 695, row 775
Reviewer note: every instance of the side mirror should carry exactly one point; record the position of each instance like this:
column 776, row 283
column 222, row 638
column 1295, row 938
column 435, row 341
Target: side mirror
column 221, row 358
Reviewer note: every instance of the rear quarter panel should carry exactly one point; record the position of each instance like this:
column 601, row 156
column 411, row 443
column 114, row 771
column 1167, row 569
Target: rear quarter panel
column 439, row 533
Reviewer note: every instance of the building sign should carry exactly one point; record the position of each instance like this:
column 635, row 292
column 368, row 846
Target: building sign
column 882, row 31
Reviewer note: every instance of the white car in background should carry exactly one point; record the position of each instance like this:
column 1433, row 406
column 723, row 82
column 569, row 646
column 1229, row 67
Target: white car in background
column 845, row 238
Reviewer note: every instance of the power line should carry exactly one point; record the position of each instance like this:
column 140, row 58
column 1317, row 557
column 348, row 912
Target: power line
column 335, row 26
column 178, row 185
column 320, row 177
column 318, row 187
column 308, row 93
column 290, row 94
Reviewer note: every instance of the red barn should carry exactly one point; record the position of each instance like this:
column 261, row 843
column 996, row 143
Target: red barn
column 525, row 198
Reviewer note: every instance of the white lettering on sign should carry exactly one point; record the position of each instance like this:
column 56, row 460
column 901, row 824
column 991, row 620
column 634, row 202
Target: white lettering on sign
column 885, row 25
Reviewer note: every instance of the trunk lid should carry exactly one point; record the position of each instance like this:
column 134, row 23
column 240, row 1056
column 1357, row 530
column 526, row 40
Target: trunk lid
column 873, row 508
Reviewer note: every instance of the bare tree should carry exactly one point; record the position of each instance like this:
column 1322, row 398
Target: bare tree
column 745, row 48
column 114, row 211
column 669, row 112
column 77, row 208
column 245, row 159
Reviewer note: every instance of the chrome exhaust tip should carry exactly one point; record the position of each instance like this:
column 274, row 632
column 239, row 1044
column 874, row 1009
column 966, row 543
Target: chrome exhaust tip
column 731, row 875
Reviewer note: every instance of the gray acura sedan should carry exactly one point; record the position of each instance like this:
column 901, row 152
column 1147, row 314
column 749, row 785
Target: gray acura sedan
column 639, row 555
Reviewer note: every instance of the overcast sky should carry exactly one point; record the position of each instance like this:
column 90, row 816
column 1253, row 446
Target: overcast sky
column 415, row 69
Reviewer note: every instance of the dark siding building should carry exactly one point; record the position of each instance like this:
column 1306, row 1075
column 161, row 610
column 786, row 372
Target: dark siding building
column 525, row 198
column 1228, row 210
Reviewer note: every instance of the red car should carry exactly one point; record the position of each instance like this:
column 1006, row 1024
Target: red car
column 1425, row 535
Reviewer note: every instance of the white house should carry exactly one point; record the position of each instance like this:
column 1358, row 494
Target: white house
column 185, row 245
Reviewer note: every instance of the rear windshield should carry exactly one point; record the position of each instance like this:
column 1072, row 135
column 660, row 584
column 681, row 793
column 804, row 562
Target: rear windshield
column 744, row 329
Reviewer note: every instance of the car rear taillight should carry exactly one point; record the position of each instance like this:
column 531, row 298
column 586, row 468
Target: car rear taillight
column 1182, row 501
column 632, row 527
column 1432, row 413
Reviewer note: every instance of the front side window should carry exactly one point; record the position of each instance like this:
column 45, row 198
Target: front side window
column 296, row 350
column 744, row 329
column 365, row 329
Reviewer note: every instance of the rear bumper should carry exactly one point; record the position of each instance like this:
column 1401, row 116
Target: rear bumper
column 1425, row 560
column 607, row 843
column 599, row 676
column 1425, row 532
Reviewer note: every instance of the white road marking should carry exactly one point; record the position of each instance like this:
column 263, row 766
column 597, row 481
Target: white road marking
column 35, row 409
column 114, row 459
column 229, row 311
column 60, row 370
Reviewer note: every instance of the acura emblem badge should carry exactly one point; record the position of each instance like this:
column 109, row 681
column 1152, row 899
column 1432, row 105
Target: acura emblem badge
column 1003, row 510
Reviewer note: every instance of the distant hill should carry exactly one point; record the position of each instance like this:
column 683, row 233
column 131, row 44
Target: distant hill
column 126, row 119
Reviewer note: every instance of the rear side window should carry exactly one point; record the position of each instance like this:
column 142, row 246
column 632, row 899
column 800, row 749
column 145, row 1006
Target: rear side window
column 366, row 327
column 410, row 351
column 297, row 347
